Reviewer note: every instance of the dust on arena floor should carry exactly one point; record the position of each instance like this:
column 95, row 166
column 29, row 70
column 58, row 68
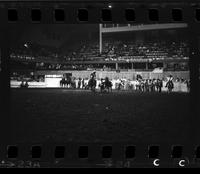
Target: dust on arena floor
column 61, row 115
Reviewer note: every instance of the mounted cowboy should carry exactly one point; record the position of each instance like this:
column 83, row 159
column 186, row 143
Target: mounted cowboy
column 102, row 85
column 170, row 84
column 108, row 84
column 92, row 82
column 93, row 75
column 105, row 85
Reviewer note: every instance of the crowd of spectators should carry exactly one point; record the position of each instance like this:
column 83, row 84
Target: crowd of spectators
column 26, row 77
column 129, row 50
column 112, row 50
column 49, row 66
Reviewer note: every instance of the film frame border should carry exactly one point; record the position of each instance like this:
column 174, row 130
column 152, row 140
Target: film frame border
column 141, row 10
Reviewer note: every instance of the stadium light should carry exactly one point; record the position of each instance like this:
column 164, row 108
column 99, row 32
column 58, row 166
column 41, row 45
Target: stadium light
column 26, row 45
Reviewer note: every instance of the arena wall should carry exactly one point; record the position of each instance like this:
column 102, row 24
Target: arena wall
column 16, row 84
column 131, row 75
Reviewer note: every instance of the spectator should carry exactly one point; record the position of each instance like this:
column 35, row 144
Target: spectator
column 79, row 83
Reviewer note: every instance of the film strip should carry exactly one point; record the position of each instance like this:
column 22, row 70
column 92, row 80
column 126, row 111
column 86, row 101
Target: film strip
column 100, row 156
column 100, row 13
column 106, row 131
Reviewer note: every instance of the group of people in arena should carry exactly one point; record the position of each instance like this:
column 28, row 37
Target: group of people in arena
column 149, row 85
column 81, row 83
column 140, row 84
column 154, row 85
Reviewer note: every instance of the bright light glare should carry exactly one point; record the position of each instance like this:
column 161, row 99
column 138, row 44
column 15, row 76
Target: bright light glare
column 26, row 45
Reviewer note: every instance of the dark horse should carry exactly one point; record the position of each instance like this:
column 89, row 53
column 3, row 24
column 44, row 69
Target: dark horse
column 92, row 84
column 105, row 85
column 170, row 86
column 65, row 82
column 108, row 84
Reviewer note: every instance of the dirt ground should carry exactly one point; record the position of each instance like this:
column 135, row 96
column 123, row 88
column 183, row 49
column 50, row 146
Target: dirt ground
column 61, row 115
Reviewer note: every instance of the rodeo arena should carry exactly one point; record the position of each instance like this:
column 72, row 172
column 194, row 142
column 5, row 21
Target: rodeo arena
column 120, row 60
column 67, row 80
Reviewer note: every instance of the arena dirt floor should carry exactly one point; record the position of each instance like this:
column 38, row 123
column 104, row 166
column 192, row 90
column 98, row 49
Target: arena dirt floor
column 62, row 115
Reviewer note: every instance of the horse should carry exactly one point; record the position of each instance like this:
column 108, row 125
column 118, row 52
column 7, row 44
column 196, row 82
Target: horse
column 66, row 82
column 108, row 84
column 102, row 85
column 73, row 83
column 170, row 86
column 62, row 82
column 92, row 84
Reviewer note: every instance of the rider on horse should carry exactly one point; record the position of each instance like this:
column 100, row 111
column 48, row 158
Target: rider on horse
column 108, row 84
column 92, row 82
column 93, row 75
column 170, row 84
column 102, row 85
column 105, row 85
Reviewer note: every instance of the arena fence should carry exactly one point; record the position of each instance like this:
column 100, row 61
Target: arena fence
column 131, row 75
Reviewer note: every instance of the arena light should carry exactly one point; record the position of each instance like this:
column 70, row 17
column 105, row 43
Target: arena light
column 26, row 45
